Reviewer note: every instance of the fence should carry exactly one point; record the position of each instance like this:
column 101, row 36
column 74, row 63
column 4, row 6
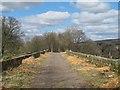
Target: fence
column 15, row 62
column 99, row 61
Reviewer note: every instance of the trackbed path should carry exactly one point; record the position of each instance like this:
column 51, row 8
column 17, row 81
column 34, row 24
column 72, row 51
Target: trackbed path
column 56, row 73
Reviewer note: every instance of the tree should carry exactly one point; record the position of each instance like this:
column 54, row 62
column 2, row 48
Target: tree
column 57, row 41
column 77, row 34
column 74, row 36
column 37, row 43
column 62, row 42
column 109, row 50
column 0, row 36
column 11, row 35
column 51, row 39
column 89, row 47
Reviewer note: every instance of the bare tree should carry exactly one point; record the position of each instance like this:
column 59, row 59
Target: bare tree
column 77, row 34
column 52, row 41
column 11, row 34
column 0, row 36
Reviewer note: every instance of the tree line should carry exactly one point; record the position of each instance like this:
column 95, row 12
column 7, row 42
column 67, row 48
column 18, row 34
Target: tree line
column 73, row 39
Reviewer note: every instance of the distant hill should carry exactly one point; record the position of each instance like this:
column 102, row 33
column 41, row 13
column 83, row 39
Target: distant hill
column 110, row 48
column 107, row 48
column 112, row 41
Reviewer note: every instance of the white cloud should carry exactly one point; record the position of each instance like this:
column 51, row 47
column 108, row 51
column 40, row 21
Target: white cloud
column 35, row 24
column 87, row 4
column 76, row 21
column 58, row 0
column 95, row 6
column 88, row 0
column 49, row 18
column 31, row 30
column 97, row 19
column 103, row 36
column 59, row 30
column 103, row 28
column 102, row 32
column 5, row 9
column 75, row 15
column 95, row 0
column 92, row 18
column 21, row 0
column 12, row 6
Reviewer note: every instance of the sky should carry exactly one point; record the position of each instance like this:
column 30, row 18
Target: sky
column 99, row 20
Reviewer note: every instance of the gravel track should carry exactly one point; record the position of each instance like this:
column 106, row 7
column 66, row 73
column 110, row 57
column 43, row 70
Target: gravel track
column 56, row 73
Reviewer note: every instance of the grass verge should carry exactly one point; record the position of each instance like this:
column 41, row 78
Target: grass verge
column 98, row 77
column 21, row 76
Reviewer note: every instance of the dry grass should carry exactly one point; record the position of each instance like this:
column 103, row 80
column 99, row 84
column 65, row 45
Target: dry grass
column 45, row 55
column 96, row 76
column 30, row 60
column 73, row 60
column 21, row 76
column 112, row 83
